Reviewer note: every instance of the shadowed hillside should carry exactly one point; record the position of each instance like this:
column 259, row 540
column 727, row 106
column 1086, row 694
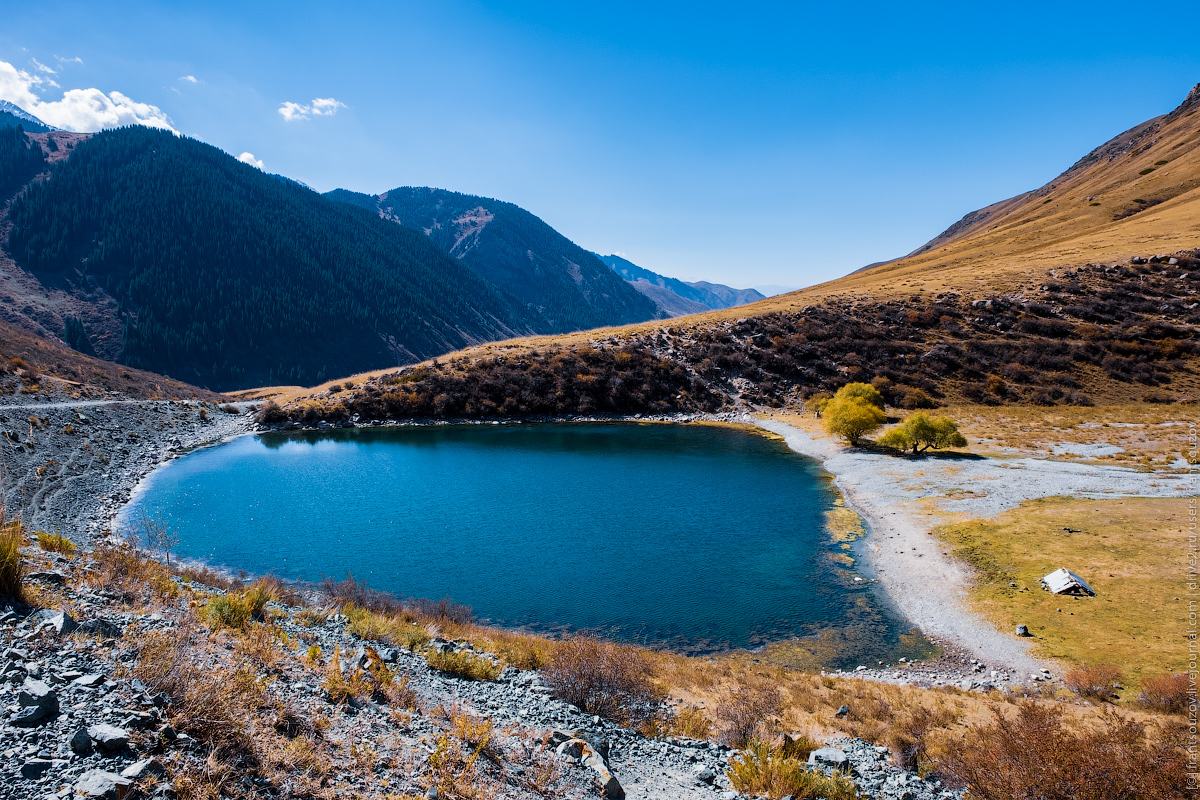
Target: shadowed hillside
column 564, row 287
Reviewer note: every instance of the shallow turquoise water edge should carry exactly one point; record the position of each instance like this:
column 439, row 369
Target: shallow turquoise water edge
column 694, row 537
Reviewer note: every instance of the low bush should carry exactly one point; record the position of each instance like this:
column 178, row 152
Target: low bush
column 1166, row 693
column 612, row 681
column 1036, row 755
column 463, row 664
column 12, row 569
column 55, row 543
column 744, row 712
column 763, row 772
column 1094, row 681
column 238, row 610
column 119, row 568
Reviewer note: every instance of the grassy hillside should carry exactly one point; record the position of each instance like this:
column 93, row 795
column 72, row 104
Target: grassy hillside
column 228, row 277
column 564, row 287
column 1054, row 297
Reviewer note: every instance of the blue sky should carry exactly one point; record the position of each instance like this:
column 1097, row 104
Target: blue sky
column 745, row 144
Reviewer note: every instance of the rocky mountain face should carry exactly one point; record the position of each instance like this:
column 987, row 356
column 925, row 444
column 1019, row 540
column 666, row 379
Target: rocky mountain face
column 677, row 297
column 563, row 287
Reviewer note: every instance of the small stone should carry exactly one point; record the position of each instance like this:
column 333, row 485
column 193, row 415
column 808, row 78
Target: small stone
column 101, row 628
column 139, row 769
column 89, row 681
column 81, row 743
column 34, row 768
column 36, row 693
column 1022, row 630
column 829, row 757
column 842, row 711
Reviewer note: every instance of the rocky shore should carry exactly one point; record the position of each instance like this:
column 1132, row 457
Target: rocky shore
column 78, row 723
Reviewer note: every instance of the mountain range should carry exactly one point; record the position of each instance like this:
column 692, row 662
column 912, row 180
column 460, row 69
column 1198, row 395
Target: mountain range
column 677, row 297
column 166, row 254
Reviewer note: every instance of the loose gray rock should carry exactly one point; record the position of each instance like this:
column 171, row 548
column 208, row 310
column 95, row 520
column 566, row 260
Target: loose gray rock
column 830, row 757
column 59, row 621
column 138, row 769
column 109, row 738
column 101, row 628
column 81, row 743
column 1022, row 630
column 101, row 784
column 34, row 768
column 842, row 711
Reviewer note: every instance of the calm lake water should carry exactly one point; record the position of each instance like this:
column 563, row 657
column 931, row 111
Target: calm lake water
column 699, row 538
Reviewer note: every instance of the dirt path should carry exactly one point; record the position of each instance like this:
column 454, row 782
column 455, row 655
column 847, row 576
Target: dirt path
column 899, row 498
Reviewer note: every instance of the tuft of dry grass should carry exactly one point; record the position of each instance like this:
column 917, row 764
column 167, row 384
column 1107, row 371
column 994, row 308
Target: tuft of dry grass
column 119, row 568
column 463, row 664
column 12, row 570
column 237, row 611
column 761, row 771
column 55, row 543
column 745, row 711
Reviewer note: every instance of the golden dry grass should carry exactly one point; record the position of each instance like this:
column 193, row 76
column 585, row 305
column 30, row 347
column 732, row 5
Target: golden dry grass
column 1132, row 552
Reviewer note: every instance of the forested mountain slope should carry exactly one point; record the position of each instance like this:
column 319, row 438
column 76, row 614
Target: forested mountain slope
column 215, row 273
column 565, row 287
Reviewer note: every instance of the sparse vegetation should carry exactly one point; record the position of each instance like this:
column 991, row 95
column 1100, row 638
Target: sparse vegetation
column 12, row 569
column 55, row 543
column 746, row 711
column 1093, row 681
column 463, row 664
column 762, row 772
column 1167, row 694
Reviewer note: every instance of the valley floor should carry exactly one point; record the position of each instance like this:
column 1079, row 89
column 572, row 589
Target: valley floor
column 904, row 499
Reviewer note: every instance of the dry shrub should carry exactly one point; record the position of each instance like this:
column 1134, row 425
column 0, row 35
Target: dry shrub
column 120, row 569
column 463, row 664
column 1036, row 755
column 397, row 630
column 613, row 681
column 210, row 578
column 691, row 722
column 280, row 592
column 909, row 735
column 1166, row 693
column 1093, row 681
column 213, row 704
column 743, row 711
column 763, row 772
column 12, row 570
column 55, row 543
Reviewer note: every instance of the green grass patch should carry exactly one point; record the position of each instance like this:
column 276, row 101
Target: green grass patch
column 463, row 665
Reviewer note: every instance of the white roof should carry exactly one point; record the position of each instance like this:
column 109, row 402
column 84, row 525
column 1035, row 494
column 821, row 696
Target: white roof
column 1063, row 580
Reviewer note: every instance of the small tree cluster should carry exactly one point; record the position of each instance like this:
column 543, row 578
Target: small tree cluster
column 920, row 432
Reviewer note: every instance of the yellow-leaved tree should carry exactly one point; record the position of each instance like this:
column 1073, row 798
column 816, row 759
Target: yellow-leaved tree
column 920, row 432
column 855, row 411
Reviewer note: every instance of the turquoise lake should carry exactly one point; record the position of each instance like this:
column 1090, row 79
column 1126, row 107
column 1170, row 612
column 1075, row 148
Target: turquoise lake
column 693, row 537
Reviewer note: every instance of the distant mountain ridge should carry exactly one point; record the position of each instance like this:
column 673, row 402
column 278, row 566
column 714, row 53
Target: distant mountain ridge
column 15, row 115
column 676, row 297
column 563, row 287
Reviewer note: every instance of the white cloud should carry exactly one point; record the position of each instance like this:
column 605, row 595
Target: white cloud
column 75, row 60
column 83, row 110
column 40, row 67
column 248, row 158
column 319, row 107
column 189, row 79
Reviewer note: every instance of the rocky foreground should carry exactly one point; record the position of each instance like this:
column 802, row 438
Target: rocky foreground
column 108, row 701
